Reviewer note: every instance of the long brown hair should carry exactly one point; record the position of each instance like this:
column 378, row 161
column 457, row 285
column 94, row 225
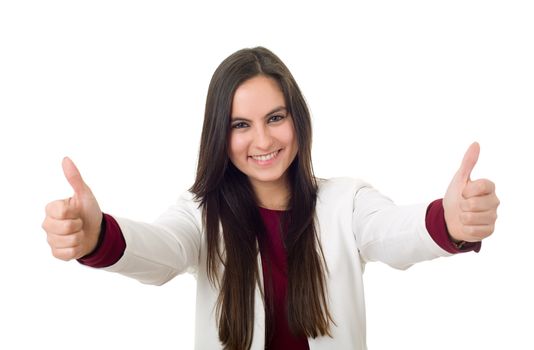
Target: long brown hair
column 228, row 202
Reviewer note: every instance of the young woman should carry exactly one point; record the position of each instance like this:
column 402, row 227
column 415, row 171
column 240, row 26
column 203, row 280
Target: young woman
column 278, row 253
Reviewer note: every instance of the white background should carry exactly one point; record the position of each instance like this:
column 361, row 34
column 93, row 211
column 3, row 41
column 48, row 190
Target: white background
column 398, row 90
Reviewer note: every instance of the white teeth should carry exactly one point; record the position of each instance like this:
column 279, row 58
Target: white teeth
column 265, row 157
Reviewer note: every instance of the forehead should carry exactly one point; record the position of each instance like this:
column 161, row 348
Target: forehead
column 256, row 97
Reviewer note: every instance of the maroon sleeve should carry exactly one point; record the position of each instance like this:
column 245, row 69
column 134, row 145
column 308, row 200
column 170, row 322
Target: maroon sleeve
column 110, row 246
column 436, row 226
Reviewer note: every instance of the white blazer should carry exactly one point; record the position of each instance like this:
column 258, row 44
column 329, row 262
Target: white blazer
column 355, row 223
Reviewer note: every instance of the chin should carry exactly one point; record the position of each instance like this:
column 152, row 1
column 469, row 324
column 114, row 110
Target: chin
column 266, row 178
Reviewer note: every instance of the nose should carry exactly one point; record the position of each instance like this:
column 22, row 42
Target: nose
column 263, row 138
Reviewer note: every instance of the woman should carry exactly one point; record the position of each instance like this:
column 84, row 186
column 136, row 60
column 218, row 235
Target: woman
column 278, row 254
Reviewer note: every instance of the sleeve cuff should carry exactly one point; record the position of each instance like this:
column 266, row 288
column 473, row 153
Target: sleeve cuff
column 110, row 247
column 436, row 226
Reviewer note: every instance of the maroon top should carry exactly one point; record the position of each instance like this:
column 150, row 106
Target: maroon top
column 436, row 226
column 111, row 246
column 274, row 265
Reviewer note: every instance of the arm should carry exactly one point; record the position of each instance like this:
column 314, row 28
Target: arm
column 150, row 253
column 395, row 235
column 157, row 252
column 403, row 235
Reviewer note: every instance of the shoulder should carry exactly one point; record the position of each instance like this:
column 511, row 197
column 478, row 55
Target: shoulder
column 339, row 192
column 185, row 209
column 340, row 186
column 188, row 198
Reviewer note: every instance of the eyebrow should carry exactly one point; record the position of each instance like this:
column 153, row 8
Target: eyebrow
column 277, row 109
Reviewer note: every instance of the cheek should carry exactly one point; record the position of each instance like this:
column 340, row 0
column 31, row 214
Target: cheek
column 238, row 147
column 292, row 141
column 289, row 137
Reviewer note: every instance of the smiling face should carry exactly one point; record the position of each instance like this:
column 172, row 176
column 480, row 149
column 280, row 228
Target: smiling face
column 262, row 141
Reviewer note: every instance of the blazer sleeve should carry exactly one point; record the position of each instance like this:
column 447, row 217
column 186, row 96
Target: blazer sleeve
column 157, row 252
column 395, row 235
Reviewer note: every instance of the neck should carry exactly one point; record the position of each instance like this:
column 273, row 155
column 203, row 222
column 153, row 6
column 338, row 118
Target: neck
column 273, row 194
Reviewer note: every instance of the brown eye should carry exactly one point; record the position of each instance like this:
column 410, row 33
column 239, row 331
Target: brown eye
column 239, row 125
column 276, row 118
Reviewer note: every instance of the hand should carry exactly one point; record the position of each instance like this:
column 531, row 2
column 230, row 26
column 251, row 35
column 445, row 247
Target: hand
column 470, row 206
column 72, row 225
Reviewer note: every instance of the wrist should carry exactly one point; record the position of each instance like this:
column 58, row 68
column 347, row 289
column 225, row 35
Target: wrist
column 99, row 238
column 457, row 243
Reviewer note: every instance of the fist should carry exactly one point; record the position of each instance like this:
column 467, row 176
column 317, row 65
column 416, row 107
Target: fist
column 470, row 207
column 72, row 225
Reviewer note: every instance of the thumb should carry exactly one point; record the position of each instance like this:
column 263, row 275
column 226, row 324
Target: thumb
column 468, row 163
column 73, row 176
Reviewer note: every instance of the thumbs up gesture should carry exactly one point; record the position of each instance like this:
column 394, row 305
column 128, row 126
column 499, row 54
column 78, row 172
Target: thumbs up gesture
column 470, row 206
column 72, row 225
